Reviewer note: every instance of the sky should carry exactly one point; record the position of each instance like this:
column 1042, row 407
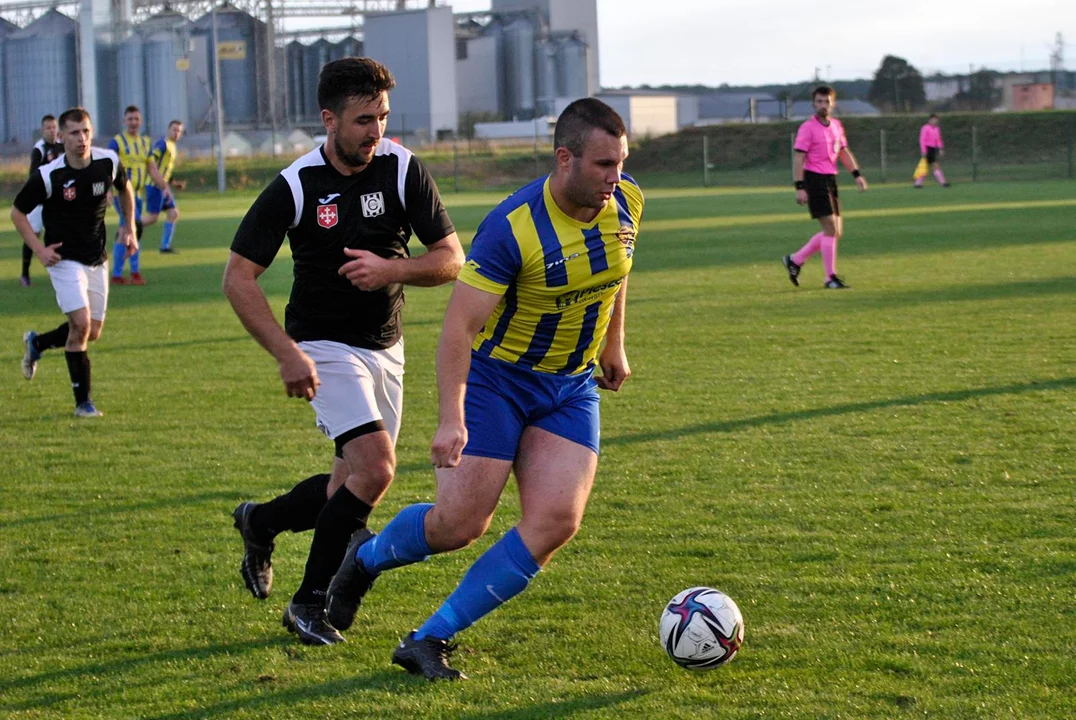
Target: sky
column 755, row 42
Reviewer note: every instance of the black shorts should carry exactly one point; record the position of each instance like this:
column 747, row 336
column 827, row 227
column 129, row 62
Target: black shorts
column 932, row 154
column 821, row 194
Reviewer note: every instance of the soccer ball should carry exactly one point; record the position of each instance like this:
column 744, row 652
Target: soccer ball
column 701, row 628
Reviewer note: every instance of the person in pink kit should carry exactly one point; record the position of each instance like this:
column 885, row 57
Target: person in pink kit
column 819, row 142
column 931, row 148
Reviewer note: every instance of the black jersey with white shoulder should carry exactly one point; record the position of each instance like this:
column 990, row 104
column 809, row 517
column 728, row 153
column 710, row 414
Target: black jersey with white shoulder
column 44, row 153
column 322, row 212
column 73, row 203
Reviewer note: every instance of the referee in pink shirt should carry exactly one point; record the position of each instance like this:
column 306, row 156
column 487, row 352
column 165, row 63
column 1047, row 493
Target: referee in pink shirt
column 931, row 148
column 819, row 142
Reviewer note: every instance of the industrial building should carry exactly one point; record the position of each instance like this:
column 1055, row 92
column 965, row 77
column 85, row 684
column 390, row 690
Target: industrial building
column 520, row 60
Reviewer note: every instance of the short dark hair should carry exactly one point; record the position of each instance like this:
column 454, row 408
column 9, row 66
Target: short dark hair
column 131, row 109
column 73, row 115
column 351, row 77
column 823, row 90
column 582, row 116
column 46, row 118
column 175, row 122
column 932, row 116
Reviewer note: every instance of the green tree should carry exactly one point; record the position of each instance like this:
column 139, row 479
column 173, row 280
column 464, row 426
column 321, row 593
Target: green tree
column 982, row 92
column 897, row 86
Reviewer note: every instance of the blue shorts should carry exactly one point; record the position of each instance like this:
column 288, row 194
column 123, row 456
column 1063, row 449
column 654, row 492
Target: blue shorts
column 156, row 202
column 503, row 399
column 138, row 207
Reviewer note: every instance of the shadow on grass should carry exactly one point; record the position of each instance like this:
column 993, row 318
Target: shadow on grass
column 398, row 683
column 131, row 664
column 729, row 426
column 973, row 293
column 83, row 512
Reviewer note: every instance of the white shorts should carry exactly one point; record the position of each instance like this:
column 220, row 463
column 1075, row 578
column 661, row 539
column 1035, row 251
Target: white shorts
column 78, row 286
column 36, row 223
column 358, row 386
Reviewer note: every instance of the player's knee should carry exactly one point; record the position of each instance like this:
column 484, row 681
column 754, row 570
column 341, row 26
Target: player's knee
column 78, row 329
column 95, row 332
column 173, row 215
column 452, row 531
column 558, row 526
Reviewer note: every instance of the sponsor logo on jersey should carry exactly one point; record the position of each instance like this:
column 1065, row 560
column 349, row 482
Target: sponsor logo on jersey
column 373, row 205
column 586, row 294
column 327, row 215
column 626, row 235
column 98, row 189
column 563, row 260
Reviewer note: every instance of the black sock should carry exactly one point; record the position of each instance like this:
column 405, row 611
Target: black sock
column 342, row 515
column 52, row 339
column 27, row 256
column 296, row 510
column 78, row 364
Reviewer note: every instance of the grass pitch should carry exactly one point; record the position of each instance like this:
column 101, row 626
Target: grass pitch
column 882, row 478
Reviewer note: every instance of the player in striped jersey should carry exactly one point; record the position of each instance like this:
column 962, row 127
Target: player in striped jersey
column 159, row 196
column 133, row 149
column 537, row 307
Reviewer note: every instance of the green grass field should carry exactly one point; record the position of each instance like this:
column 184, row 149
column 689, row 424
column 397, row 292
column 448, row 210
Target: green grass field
column 882, row 478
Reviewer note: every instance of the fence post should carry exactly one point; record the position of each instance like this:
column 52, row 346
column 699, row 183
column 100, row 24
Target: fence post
column 706, row 160
column 792, row 153
column 882, row 133
column 974, row 153
column 456, row 164
column 1072, row 145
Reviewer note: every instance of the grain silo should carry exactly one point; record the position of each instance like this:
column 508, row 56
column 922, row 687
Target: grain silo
column 242, row 39
column 165, row 53
column 131, row 73
column 519, row 42
column 315, row 56
column 6, row 28
column 293, row 60
column 40, row 72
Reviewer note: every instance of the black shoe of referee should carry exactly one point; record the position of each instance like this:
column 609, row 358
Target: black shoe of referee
column 349, row 585
column 427, row 657
column 835, row 283
column 309, row 623
column 793, row 269
column 257, row 565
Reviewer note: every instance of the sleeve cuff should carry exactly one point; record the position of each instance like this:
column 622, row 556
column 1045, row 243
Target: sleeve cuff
column 469, row 276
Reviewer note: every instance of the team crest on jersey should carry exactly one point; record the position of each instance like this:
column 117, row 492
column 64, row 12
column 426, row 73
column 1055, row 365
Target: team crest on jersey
column 327, row 215
column 69, row 192
column 373, row 205
column 626, row 235
column 98, row 189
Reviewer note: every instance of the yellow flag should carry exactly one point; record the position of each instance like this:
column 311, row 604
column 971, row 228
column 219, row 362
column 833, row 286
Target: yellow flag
column 921, row 169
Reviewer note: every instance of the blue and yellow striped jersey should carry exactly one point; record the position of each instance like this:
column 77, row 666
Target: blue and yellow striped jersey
column 133, row 151
column 559, row 277
column 163, row 155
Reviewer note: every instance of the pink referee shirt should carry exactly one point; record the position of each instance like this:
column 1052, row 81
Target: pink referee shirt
column 929, row 137
column 822, row 144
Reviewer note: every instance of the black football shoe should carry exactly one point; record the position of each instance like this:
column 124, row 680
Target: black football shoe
column 835, row 283
column 350, row 584
column 427, row 657
column 257, row 565
column 309, row 623
column 793, row 269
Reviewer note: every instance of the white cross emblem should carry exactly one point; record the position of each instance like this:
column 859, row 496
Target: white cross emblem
column 327, row 215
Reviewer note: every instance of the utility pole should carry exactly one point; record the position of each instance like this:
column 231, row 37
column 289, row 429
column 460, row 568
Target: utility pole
column 217, row 103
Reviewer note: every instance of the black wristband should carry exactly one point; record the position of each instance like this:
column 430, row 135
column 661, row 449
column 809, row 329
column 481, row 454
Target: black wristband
column 799, row 185
column 856, row 173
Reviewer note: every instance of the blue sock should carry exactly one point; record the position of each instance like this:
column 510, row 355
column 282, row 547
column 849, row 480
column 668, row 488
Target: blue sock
column 402, row 542
column 119, row 255
column 166, row 235
column 134, row 260
column 501, row 573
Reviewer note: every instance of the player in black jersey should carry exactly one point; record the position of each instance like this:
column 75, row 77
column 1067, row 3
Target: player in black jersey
column 73, row 191
column 348, row 208
column 47, row 149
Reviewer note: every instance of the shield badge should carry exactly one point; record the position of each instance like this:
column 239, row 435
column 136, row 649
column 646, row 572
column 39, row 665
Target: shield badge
column 327, row 215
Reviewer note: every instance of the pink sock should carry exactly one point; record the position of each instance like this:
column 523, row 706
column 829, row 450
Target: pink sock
column 919, row 182
column 829, row 255
column 813, row 245
column 938, row 176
